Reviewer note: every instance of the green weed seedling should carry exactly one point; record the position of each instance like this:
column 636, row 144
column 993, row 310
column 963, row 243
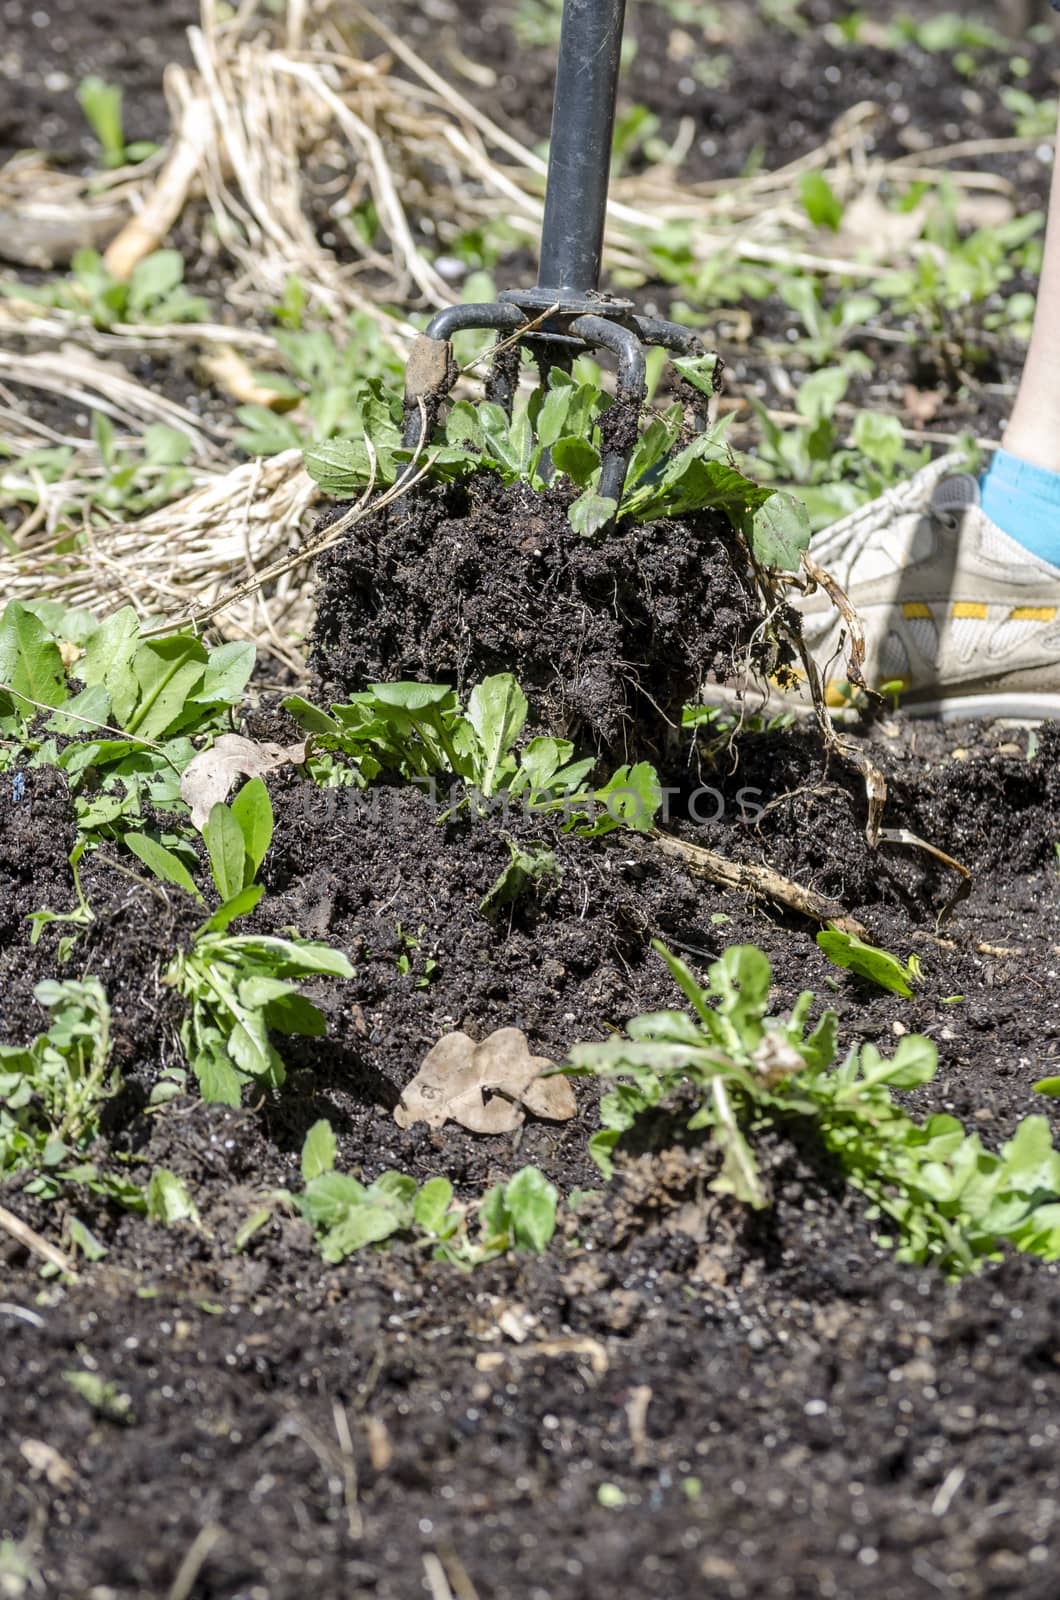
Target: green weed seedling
column 102, row 1395
column 556, row 435
column 419, row 731
column 141, row 703
column 52, row 1092
column 241, row 987
column 721, row 279
column 102, row 105
column 52, row 1096
column 127, row 480
column 346, row 1215
column 325, row 378
column 962, row 272
column 826, row 328
column 154, row 292
column 820, row 201
column 939, row 1196
column 833, row 478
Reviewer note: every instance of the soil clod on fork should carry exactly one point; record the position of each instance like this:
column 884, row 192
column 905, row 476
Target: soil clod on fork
column 566, row 312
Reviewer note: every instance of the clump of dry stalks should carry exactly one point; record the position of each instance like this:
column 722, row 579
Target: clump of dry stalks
column 281, row 129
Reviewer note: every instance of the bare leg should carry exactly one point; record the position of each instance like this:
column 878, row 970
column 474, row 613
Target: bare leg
column 1034, row 430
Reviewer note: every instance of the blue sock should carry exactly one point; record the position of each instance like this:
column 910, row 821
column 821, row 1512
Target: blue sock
column 1024, row 501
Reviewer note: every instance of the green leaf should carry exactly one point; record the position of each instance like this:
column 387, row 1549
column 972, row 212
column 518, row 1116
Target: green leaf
column 820, row 201
column 497, row 711
column 741, row 980
column 219, row 1082
column 365, row 1224
column 413, row 697
column 228, row 853
column 342, row 467
column 318, row 1151
column 168, row 1199
column 531, row 1203
column 30, row 663
column 541, row 760
column 153, row 278
column 167, row 671
column 702, row 372
column 739, row 1174
column 85, row 1240
column 462, row 425
column 431, row 1205
column 108, row 660
column 1029, row 1157
column 654, row 443
column 237, row 906
column 165, row 446
column 780, row 531
column 526, row 867
column 914, row 1062
column 101, row 104
column 820, row 393
column 865, row 960
column 252, row 810
column 509, row 448
column 254, row 1223
column 1048, row 1086
column 296, row 1014
column 330, row 1196
column 631, row 796
column 78, row 714
column 227, row 674
column 552, row 416
column 577, row 458
column 162, row 862
column 879, row 436
column 591, row 512
column 309, row 716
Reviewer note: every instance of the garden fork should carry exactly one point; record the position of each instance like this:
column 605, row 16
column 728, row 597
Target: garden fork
column 565, row 312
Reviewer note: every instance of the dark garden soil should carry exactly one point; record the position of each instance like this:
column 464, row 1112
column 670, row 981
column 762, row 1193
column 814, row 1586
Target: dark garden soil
column 678, row 1396
column 609, row 639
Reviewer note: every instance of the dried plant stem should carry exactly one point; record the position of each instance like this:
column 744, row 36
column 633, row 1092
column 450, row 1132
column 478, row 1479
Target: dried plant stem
column 756, row 880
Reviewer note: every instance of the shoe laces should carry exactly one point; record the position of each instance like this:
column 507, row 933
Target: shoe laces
column 932, row 491
column 951, row 498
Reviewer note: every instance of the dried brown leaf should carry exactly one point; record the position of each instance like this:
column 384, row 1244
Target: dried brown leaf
column 486, row 1088
column 210, row 776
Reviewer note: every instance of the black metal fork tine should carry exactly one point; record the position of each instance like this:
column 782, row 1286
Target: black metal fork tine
column 618, row 432
column 503, row 377
column 679, row 341
column 430, row 371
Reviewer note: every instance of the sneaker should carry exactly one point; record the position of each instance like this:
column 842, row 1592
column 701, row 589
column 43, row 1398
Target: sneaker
column 959, row 619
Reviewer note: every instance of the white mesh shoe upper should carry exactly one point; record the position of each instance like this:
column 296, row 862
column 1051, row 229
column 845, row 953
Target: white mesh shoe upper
column 949, row 603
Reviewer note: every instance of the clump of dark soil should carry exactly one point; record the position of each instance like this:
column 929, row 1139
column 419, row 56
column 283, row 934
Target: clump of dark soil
column 608, row 637
column 37, row 833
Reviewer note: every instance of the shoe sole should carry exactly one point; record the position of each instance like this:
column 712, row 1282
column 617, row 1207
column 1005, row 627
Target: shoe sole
column 1020, row 706
column 1023, row 707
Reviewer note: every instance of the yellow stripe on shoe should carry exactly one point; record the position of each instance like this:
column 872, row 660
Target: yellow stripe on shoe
column 971, row 608
column 1032, row 614
column 916, row 609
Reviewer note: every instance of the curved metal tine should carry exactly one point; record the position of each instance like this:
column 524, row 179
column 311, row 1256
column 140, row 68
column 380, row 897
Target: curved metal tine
column 617, row 428
column 502, row 380
column 679, row 341
column 430, row 372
